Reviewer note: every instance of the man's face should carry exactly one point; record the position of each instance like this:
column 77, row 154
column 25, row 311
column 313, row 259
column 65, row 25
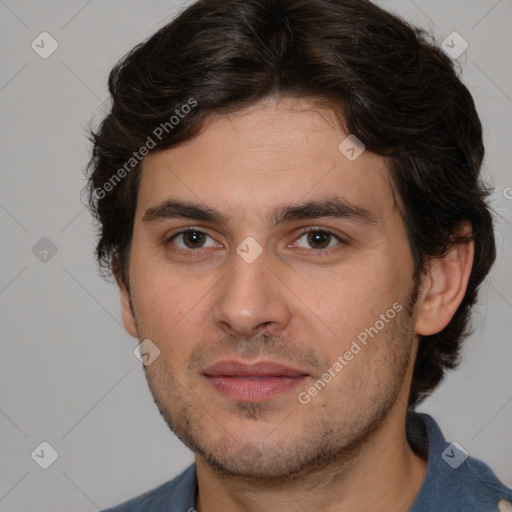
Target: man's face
column 284, row 296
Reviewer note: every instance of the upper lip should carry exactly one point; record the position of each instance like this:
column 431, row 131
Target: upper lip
column 259, row 369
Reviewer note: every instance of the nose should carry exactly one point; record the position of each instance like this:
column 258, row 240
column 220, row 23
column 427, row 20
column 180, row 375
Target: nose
column 251, row 299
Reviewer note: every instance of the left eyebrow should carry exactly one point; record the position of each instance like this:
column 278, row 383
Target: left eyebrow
column 336, row 207
column 331, row 207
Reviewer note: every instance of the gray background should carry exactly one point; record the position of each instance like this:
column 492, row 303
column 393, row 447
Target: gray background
column 68, row 375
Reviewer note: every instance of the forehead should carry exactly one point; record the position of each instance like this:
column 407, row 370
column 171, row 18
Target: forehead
column 275, row 152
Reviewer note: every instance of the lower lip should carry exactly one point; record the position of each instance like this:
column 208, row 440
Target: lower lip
column 254, row 389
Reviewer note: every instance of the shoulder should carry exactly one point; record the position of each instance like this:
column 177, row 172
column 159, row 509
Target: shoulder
column 178, row 494
column 480, row 489
column 456, row 481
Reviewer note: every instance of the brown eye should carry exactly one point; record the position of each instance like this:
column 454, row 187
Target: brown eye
column 319, row 239
column 192, row 239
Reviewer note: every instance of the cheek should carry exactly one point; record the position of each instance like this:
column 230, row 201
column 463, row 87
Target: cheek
column 370, row 364
column 159, row 301
column 348, row 303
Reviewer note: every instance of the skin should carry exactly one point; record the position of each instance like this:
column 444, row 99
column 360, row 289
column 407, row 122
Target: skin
column 294, row 305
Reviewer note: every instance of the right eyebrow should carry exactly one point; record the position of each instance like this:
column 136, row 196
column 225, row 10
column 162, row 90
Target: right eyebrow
column 172, row 209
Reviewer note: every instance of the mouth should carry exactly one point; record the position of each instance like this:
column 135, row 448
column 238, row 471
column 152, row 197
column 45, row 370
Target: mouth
column 256, row 382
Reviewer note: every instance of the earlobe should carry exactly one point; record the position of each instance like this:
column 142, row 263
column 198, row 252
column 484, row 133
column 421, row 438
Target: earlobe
column 126, row 312
column 126, row 309
column 443, row 288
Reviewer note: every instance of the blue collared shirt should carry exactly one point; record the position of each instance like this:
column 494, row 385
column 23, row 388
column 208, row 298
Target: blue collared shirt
column 454, row 481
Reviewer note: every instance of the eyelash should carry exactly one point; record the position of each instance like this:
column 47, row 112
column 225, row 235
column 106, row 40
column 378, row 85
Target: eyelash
column 317, row 252
column 322, row 252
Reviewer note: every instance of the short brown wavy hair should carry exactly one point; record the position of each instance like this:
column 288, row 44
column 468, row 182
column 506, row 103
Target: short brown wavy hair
column 392, row 87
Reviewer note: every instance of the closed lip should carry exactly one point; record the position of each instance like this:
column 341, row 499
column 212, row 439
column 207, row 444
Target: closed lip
column 259, row 369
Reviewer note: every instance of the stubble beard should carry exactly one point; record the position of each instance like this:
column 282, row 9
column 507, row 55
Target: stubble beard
column 328, row 441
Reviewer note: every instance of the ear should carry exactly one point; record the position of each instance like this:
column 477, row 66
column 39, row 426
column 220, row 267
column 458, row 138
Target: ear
column 127, row 314
column 444, row 286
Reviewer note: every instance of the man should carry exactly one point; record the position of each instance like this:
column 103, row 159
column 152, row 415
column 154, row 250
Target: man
column 289, row 198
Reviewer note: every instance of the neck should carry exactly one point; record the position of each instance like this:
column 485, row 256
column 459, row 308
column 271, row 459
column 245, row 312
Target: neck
column 383, row 473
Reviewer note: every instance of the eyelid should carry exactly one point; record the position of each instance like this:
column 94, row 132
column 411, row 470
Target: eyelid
column 334, row 233
column 186, row 229
column 168, row 239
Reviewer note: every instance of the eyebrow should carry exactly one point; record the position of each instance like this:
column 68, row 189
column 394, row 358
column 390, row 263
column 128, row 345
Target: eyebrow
column 332, row 207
